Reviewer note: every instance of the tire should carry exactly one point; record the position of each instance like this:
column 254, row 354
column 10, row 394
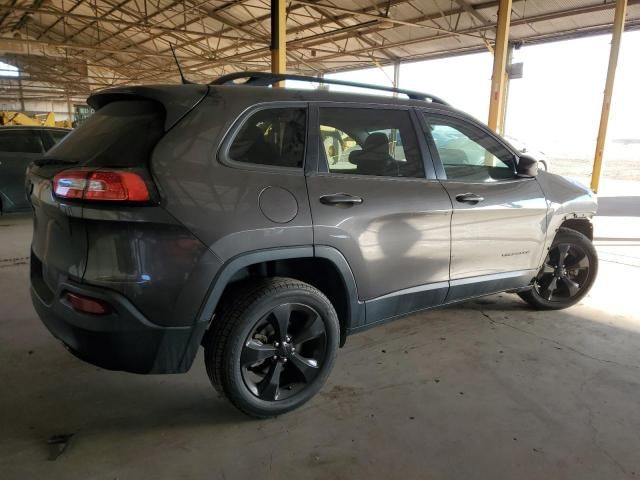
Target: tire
column 568, row 272
column 544, row 165
column 272, row 345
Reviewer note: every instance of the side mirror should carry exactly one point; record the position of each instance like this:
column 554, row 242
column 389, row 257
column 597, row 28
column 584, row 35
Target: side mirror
column 527, row 166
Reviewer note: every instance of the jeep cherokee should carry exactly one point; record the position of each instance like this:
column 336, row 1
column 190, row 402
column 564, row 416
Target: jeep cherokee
column 268, row 224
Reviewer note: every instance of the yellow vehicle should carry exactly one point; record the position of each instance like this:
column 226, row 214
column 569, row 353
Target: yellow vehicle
column 39, row 120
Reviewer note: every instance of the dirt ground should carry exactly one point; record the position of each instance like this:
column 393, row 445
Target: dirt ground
column 613, row 169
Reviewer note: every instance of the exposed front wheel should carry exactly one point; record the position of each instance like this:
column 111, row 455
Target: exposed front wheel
column 567, row 274
column 272, row 346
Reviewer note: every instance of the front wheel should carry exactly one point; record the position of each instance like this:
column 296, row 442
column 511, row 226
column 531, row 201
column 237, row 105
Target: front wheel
column 567, row 274
column 272, row 346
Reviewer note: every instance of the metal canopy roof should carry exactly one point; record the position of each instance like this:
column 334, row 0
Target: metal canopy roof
column 74, row 46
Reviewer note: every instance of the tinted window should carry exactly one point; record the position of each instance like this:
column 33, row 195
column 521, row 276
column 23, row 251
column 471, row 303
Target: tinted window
column 57, row 135
column 120, row 134
column 370, row 142
column 274, row 137
column 468, row 153
column 23, row 141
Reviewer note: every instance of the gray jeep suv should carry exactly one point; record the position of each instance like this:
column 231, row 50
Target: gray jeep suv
column 188, row 215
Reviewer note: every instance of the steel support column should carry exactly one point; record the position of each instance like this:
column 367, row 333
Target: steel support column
column 396, row 76
column 499, row 76
column 618, row 28
column 278, row 36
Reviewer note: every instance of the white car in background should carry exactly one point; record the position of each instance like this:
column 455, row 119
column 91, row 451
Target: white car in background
column 522, row 147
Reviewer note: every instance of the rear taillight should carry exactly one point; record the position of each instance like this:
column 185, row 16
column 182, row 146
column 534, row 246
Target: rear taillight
column 99, row 185
column 81, row 303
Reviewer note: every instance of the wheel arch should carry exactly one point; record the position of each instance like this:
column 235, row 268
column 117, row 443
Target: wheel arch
column 325, row 268
column 580, row 225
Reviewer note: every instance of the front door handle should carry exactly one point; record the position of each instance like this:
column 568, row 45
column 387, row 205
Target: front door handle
column 471, row 198
column 340, row 199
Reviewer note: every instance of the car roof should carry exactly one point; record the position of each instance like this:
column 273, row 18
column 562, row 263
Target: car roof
column 32, row 127
column 260, row 93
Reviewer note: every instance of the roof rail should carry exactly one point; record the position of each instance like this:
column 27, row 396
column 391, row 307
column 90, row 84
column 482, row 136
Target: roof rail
column 264, row 79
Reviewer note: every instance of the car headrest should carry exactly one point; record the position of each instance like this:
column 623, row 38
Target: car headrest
column 252, row 133
column 376, row 142
column 453, row 156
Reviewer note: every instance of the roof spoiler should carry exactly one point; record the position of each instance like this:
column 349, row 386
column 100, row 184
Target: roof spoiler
column 177, row 100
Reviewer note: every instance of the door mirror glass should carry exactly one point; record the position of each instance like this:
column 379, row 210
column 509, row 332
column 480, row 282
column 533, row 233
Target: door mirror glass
column 527, row 166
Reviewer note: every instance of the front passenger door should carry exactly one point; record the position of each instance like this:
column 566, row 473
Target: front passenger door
column 498, row 225
column 370, row 200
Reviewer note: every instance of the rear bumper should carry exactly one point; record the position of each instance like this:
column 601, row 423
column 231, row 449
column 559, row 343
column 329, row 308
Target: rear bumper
column 122, row 340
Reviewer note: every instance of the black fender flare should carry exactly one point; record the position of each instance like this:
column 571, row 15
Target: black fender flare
column 356, row 311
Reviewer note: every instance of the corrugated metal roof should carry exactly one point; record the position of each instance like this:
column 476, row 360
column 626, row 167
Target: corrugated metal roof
column 86, row 45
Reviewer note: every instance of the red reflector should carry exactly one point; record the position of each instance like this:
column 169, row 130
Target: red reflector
column 108, row 185
column 83, row 304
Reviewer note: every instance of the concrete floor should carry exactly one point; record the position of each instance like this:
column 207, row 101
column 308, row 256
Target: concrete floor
column 491, row 389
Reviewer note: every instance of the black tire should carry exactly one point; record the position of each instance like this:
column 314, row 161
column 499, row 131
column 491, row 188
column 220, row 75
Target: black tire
column 568, row 272
column 544, row 165
column 249, row 327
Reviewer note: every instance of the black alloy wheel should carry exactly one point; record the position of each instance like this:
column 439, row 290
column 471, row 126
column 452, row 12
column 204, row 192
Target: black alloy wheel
column 565, row 271
column 272, row 345
column 284, row 352
column 567, row 274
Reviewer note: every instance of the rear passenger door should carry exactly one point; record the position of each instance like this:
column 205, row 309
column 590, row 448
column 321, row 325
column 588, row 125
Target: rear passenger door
column 374, row 199
column 255, row 196
column 498, row 226
column 18, row 147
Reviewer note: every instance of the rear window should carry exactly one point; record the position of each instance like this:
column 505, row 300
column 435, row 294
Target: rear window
column 20, row 141
column 120, row 134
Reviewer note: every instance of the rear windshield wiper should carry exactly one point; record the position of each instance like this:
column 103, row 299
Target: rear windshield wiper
column 41, row 162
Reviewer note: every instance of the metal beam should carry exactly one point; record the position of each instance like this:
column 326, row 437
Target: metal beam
column 396, row 77
column 115, row 21
column 498, row 78
column 278, row 36
column 618, row 28
column 95, row 48
column 381, row 18
column 473, row 12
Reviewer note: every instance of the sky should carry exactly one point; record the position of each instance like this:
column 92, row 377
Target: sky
column 555, row 108
column 7, row 70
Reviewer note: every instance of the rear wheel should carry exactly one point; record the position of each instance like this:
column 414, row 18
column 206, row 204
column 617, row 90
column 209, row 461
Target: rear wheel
column 567, row 274
column 272, row 346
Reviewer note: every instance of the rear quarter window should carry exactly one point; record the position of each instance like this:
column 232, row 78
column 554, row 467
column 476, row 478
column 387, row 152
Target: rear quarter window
column 120, row 134
column 272, row 137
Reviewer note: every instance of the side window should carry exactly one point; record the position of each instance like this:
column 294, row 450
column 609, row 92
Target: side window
column 370, row 142
column 468, row 153
column 274, row 137
column 51, row 137
column 20, row 141
column 57, row 135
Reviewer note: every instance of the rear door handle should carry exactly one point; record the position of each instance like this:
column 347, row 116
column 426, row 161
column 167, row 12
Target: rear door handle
column 469, row 198
column 340, row 199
